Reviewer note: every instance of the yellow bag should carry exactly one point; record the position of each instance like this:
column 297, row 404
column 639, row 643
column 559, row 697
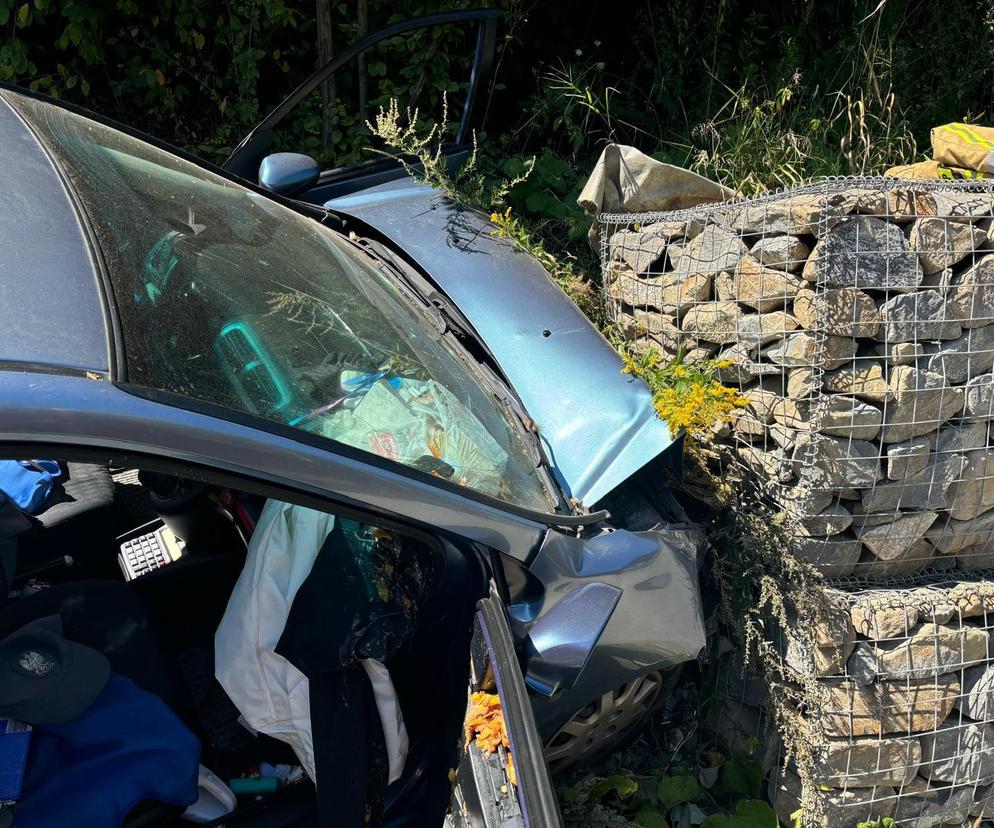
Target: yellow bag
column 964, row 145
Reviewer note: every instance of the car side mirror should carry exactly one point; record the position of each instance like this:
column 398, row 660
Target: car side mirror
column 288, row 172
column 560, row 642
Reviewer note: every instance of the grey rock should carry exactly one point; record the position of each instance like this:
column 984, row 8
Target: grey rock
column 863, row 378
column 959, row 753
column 973, row 492
column 671, row 230
column 915, row 317
column 922, row 806
column 864, row 252
column 835, row 808
column 971, row 294
column 834, row 556
column 922, row 401
column 744, row 365
column 961, row 359
column 842, row 416
column 920, row 555
column 931, row 488
column 962, row 439
column 907, row 458
column 768, row 465
column 977, row 698
column 837, row 464
column 838, row 311
column 784, row 252
column 976, row 558
column 942, row 242
column 980, row 397
column 951, row 537
column 667, row 293
column 900, row 353
column 713, row 251
column 797, row 215
column 932, row 650
column 833, row 520
column 802, row 383
column 761, row 288
column 641, row 251
column 891, row 540
column 800, row 500
column 802, row 349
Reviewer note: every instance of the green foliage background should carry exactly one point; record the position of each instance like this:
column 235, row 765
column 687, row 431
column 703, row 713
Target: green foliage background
column 755, row 94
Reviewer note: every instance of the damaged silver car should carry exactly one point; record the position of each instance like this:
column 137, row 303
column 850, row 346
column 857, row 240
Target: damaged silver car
column 347, row 342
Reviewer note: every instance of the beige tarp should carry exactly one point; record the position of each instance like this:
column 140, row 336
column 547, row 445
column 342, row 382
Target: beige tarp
column 625, row 180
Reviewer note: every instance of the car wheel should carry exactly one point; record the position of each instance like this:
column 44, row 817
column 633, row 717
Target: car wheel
column 599, row 726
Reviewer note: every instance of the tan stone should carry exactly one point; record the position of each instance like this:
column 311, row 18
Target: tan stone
column 900, row 353
column 970, row 297
column 891, row 540
column 716, row 322
column 972, row 493
column 783, row 252
column 863, row 763
column 667, row 293
column 801, row 383
column 757, row 286
column 941, row 242
column 922, row 402
column 756, row 329
column 839, row 311
column 932, row 650
column 884, row 621
column 887, row 707
column 797, row 215
column 861, row 378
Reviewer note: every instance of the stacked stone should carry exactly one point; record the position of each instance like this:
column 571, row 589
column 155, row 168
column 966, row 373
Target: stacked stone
column 901, row 710
column 858, row 322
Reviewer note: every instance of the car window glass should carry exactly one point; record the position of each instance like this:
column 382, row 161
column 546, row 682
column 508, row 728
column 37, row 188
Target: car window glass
column 227, row 297
column 421, row 70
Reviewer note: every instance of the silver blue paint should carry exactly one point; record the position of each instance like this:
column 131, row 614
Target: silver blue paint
column 286, row 172
column 598, row 425
column 561, row 641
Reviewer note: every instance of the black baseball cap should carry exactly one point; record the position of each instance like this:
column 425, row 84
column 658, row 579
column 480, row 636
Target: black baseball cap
column 46, row 679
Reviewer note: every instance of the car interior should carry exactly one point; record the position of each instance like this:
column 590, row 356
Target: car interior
column 140, row 565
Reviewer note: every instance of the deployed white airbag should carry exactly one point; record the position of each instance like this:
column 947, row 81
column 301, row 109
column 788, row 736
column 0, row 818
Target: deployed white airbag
column 269, row 692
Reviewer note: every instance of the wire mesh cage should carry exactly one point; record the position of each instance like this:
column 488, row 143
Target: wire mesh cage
column 899, row 708
column 856, row 317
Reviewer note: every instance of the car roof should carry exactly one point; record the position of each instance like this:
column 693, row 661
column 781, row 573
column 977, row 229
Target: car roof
column 52, row 312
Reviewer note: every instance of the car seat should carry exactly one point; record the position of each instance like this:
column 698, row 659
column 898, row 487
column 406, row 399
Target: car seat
column 76, row 520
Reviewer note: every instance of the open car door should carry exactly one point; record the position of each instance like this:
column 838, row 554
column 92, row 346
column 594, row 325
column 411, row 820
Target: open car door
column 503, row 788
column 301, row 154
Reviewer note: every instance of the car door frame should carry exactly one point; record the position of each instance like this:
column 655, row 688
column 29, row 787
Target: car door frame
column 537, row 797
column 245, row 158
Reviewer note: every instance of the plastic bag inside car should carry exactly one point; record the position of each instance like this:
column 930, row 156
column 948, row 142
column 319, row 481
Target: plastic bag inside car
column 421, row 424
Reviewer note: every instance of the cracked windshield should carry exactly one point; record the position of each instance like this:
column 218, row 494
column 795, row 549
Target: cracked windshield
column 227, row 297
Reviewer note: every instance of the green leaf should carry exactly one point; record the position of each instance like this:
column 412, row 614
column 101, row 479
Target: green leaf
column 674, row 790
column 23, row 13
column 623, row 786
column 649, row 817
column 739, row 777
column 749, row 813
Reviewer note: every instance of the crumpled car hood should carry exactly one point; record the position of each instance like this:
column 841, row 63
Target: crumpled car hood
column 598, row 425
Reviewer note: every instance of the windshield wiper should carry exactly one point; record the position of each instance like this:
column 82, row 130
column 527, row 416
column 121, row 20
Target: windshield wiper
column 450, row 320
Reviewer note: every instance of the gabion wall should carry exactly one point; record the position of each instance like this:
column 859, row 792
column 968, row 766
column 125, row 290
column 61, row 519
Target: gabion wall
column 857, row 318
column 901, row 709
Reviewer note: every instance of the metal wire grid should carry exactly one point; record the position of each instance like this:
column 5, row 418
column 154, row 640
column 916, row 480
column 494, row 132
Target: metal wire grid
column 902, row 708
column 856, row 316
